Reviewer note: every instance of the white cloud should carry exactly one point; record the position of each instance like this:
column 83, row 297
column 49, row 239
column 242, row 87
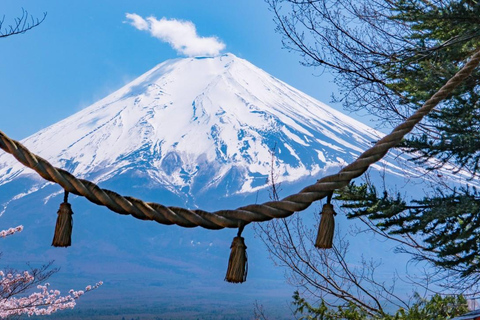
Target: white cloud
column 181, row 35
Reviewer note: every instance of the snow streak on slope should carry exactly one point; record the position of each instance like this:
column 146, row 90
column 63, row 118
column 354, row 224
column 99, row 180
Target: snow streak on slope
column 191, row 124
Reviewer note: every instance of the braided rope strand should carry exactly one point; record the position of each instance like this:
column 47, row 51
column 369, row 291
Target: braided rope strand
column 246, row 214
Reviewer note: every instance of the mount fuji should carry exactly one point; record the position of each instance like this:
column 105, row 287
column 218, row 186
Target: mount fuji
column 196, row 132
column 191, row 124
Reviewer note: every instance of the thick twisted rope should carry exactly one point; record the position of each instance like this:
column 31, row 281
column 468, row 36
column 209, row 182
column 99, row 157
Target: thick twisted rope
column 243, row 215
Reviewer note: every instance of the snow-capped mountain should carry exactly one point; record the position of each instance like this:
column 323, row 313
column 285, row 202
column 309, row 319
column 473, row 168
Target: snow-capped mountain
column 188, row 124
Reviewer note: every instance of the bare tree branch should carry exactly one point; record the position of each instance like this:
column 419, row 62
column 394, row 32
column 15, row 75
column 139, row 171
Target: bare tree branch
column 21, row 24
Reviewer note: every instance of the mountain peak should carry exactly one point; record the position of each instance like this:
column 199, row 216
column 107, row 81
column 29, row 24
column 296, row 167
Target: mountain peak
column 222, row 55
column 197, row 122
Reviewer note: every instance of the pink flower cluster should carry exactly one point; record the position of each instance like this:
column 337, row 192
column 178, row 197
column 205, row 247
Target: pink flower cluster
column 9, row 232
column 43, row 302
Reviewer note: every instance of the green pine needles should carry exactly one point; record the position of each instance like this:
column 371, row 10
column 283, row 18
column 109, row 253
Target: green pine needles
column 436, row 307
column 447, row 224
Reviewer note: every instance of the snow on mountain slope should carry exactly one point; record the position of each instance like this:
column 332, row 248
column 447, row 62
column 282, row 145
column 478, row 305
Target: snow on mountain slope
column 185, row 128
column 190, row 123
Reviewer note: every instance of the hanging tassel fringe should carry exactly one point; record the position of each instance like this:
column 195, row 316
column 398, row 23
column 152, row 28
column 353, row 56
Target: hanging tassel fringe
column 326, row 228
column 63, row 228
column 237, row 263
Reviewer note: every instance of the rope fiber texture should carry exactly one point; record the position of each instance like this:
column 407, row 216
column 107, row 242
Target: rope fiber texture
column 243, row 215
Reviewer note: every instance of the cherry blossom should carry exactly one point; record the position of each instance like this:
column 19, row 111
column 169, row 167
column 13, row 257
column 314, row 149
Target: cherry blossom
column 9, row 232
column 15, row 299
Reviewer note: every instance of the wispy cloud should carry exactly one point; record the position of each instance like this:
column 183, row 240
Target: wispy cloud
column 181, row 35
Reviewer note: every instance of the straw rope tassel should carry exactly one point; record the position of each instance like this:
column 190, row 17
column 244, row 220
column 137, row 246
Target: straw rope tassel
column 238, row 261
column 326, row 228
column 63, row 228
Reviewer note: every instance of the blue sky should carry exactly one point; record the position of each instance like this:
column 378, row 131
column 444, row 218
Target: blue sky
column 84, row 50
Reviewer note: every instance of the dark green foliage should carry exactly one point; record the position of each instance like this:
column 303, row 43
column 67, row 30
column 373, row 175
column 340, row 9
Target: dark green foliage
column 449, row 224
column 323, row 312
column 459, row 141
column 364, row 201
column 436, row 307
column 389, row 57
column 443, row 36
